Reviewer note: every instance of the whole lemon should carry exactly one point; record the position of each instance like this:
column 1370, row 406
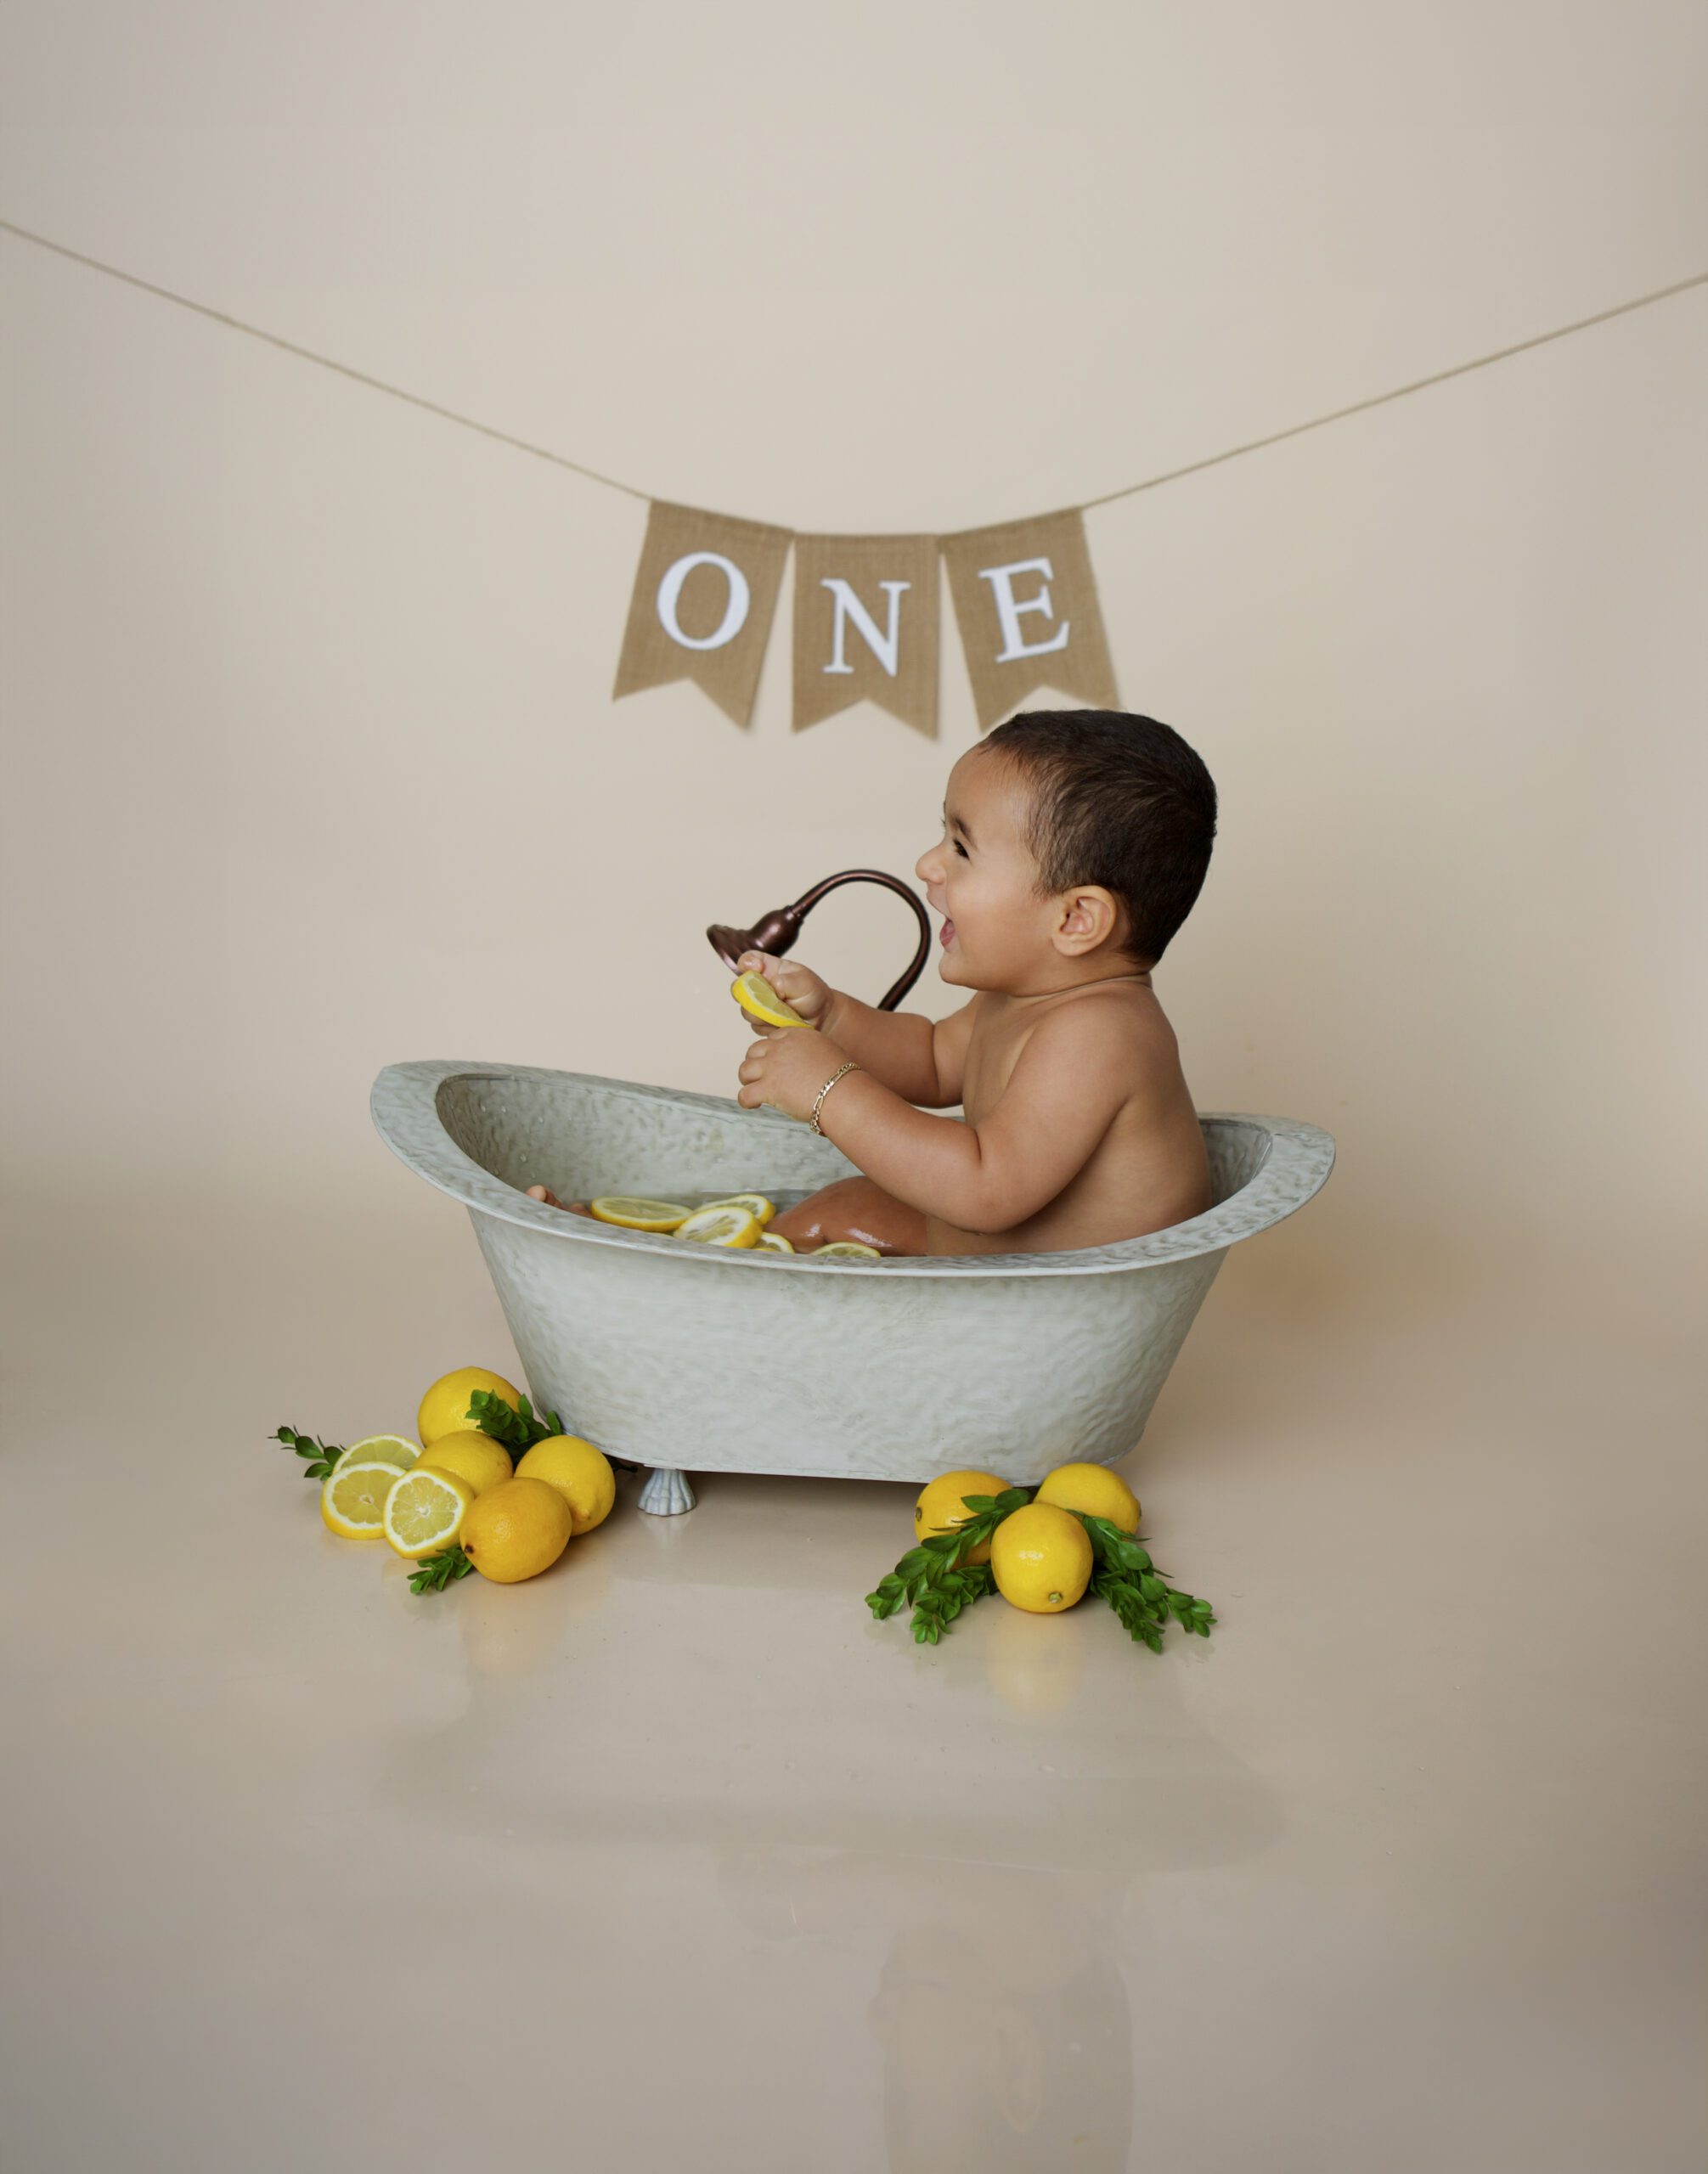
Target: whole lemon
column 471, row 1455
column 1094, row 1489
column 516, row 1530
column 1040, row 1558
column 940, row 1508
column 581, row 1474
column 445, row 1407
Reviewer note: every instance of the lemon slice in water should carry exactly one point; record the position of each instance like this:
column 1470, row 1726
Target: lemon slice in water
column 380, row 1449
column 721, row 1227
column 755, row 994
column 755, row 1203
column 353, row 1497
column 636, row 1214
column 773, row 1241
column 425, row 1510
column 845, row 1249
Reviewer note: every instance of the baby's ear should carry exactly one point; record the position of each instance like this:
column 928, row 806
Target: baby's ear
column 1090, row 917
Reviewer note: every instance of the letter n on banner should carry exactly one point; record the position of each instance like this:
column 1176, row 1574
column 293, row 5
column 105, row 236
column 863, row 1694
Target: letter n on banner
column 701, row 606
column 1026, row 603
column 865, row 627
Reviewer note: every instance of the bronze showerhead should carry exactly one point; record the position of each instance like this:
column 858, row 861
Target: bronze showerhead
column 776, row 930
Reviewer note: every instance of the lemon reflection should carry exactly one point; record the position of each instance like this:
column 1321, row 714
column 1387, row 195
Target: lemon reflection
column 512, row 1631
column 1032, row 1667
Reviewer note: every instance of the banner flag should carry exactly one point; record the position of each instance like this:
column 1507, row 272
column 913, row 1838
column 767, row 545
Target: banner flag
column 865, row 627
column 1026, row 603
column 701, row 608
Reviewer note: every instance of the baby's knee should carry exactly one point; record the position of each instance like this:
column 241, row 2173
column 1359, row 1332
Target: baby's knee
column 857, row 1209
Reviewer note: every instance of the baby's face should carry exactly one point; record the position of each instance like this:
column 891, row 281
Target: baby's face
column 983, row 879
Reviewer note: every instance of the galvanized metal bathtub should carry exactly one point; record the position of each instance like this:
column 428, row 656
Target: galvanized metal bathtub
column 900, row 1369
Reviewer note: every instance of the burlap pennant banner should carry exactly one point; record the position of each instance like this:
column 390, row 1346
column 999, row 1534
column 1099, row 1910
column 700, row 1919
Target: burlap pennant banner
column 866, row 615
column 865, row 627
column 702, row 604
column 1026, row 603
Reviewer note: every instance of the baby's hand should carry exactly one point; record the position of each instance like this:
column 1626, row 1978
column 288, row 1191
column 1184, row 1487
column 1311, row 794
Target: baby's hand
column 786, row 1069
column 799, row 987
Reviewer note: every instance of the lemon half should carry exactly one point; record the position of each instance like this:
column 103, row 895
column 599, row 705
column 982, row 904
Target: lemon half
column 632, row 1213
column 721, row 1227
column 353, row 1498
column 380, row 1449
column 425, row 1510
column 755, row 996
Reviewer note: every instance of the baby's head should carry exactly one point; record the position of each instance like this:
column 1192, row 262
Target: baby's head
column 1070, row 836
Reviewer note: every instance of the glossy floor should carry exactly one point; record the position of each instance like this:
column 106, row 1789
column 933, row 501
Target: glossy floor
column 675, row 1858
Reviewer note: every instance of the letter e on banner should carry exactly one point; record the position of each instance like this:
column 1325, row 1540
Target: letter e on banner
column 1023, row 593
column 1009, row 607
column 701, row 606
column 865, row 627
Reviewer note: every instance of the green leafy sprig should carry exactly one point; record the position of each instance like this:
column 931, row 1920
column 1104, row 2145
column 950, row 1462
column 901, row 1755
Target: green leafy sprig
column 935, row 1580
column 433, row 1572
column 1140, row 1595
column 319, row 1456
column 518, row 1430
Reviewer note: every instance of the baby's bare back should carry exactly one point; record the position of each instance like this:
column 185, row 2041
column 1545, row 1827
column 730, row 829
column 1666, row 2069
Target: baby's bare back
column 1146, row 1172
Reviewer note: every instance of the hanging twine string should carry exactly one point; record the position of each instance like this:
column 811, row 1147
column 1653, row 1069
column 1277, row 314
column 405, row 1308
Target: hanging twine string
column 326, row 363
column 1400, row 391
column 629, row 490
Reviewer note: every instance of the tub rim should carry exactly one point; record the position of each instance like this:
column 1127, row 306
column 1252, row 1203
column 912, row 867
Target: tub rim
column 405, row 1106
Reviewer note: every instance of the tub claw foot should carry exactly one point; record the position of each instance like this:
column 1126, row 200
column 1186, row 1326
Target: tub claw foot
column 667, row 1494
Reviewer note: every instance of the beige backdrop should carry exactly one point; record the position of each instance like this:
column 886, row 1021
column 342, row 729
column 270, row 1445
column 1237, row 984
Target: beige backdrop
column 314, row 765
column 315, row 761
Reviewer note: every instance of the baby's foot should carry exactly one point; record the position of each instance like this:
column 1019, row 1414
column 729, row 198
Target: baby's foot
column 569, row 1207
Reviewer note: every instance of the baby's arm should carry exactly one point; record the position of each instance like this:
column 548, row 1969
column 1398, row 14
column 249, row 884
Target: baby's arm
column 920, row 1060
column 1074, row 1074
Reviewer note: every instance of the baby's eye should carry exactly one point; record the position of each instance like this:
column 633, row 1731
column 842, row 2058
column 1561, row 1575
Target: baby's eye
column 959, row 848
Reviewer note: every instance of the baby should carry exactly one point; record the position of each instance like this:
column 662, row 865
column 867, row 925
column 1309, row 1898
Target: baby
column 1074, row 845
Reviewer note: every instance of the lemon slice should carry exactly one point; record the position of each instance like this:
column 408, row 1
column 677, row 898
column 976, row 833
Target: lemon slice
column 380, row 1449
column 353, row 1498
column 425, row 1510
column 721, row 1227
column 846, row 1249
column 755, row 1203
column 755, row 994
column 773, row 1241
column 634, row 1215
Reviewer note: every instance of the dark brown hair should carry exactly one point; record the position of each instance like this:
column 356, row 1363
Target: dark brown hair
column 1119, row 801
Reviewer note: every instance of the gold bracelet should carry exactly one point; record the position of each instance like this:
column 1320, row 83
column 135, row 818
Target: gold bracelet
column 849, row 1066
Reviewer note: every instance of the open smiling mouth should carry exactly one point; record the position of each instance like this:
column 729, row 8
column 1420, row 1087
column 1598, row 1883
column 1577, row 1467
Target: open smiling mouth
column 946, row 933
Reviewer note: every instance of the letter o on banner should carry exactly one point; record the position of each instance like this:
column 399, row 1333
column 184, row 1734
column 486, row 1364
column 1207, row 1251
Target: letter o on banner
column 747, row 557
column 735, row 612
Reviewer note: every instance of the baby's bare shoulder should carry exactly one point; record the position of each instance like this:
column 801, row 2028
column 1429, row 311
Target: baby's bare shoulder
column 1106, row 1018
column 1126, row 1034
